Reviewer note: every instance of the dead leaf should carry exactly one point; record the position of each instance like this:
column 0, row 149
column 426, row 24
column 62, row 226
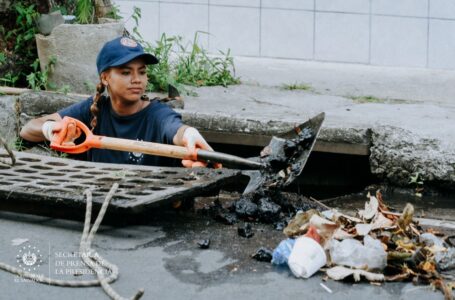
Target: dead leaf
column 298, row 225
column 381, row 222
column 406, row 217
column 371, row 209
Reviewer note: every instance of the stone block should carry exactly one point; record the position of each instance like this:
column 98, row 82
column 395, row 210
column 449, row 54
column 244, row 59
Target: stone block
column 441, row 52
column 8, row 119
column 235, row 28
column 149, row 24
column 185, row 20
column 75, row 48
column 342, row 37
column 352, row 6
column 396, row 153
column 288, row 4
column 298, row 40
column 247, row 3
column 399, row 41
column 442, row 9
column 410, row 8
column 37, row 104
column 47, row 22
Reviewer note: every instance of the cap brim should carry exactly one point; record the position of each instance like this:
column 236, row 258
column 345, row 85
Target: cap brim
column 149, row 59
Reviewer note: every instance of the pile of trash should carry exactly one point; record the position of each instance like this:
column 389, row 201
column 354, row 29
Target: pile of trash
column 379, row 245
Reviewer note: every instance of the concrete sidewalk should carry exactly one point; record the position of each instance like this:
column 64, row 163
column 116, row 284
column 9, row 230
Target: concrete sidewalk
column 407, row 124
column 350, row 80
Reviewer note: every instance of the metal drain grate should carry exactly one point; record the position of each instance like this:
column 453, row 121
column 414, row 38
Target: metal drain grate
column 37, row 178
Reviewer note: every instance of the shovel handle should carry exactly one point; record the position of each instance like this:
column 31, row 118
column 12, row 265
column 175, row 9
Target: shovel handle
column 102, row 142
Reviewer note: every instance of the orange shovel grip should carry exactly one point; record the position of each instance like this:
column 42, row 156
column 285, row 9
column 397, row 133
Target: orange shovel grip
column 91, row 140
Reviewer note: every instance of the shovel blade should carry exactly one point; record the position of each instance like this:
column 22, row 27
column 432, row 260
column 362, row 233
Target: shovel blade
column 296, row 162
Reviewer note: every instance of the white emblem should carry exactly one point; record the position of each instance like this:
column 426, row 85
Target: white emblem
column 29, row 258
column 127, row 42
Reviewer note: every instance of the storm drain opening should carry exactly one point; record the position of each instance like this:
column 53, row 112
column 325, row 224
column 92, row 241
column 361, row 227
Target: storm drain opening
column 325, row 175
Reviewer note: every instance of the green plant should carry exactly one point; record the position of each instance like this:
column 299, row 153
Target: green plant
column 114, row 13
column 38, row 80
column 367, row 99
column 20, row 41
column 85, row 11
column 64, row 89
column 9, row 79
column 191, row 65
column 198, row 69
column 90, row 86
column 18, row 144
column 417, row 182
column 297, row 86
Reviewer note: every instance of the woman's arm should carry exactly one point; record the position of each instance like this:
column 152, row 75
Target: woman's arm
column 33, row 130
column 178, row 137
column 191, row 138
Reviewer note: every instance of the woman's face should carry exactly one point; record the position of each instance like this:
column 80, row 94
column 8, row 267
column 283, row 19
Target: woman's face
column 126, row 83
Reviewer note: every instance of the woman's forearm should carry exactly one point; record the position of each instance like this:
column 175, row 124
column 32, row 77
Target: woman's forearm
column 178, row 137
column 32, row 130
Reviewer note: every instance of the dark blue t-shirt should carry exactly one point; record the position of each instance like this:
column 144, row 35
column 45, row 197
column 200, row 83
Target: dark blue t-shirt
column 155, row 123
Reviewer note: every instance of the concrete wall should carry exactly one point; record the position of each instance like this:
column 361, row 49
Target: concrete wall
column 410, row 33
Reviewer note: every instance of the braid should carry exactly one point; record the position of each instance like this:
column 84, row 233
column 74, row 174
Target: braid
column 94, row 109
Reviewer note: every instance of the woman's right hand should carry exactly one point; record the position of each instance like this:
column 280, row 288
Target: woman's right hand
column 50, row 128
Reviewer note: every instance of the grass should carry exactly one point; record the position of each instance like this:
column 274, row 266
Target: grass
column 297, row 86
column 367, row 99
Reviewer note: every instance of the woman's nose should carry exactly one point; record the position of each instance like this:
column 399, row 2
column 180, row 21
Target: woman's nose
column 135, row 77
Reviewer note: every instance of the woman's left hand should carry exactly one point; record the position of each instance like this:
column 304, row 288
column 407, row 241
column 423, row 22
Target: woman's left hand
column 193, row 140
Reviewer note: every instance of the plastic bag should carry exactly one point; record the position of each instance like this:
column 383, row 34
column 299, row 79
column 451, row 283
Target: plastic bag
column 282, row 251
column 352, row 253
column 443, row 254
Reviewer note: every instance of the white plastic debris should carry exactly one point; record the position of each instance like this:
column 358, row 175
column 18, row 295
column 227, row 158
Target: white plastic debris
column 363, row 229
column 339, row 273
column 350, row 252
column 443, row 254
column 306, row 258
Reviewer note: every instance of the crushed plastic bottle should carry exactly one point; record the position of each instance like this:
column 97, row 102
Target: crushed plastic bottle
column 350, row 252
column 281, row 253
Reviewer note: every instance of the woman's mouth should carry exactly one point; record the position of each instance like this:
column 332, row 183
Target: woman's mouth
column 135, row 90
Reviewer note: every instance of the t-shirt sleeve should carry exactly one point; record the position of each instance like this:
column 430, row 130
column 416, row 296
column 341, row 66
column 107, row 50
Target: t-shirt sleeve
column 170, row 122
column 80, row 111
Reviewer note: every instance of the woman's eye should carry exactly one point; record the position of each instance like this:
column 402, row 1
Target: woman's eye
column 125, row 73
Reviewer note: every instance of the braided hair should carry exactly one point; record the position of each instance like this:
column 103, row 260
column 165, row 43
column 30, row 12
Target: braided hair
column 94, row 108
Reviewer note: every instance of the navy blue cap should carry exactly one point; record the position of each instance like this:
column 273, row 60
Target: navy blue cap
column 120, row 51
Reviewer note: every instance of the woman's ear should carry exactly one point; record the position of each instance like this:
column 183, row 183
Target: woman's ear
column 104, row 78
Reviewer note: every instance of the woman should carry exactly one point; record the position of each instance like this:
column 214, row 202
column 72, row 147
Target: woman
column 125, row 112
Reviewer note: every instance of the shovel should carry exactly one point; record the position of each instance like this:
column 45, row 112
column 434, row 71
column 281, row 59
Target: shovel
column 276, row 151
